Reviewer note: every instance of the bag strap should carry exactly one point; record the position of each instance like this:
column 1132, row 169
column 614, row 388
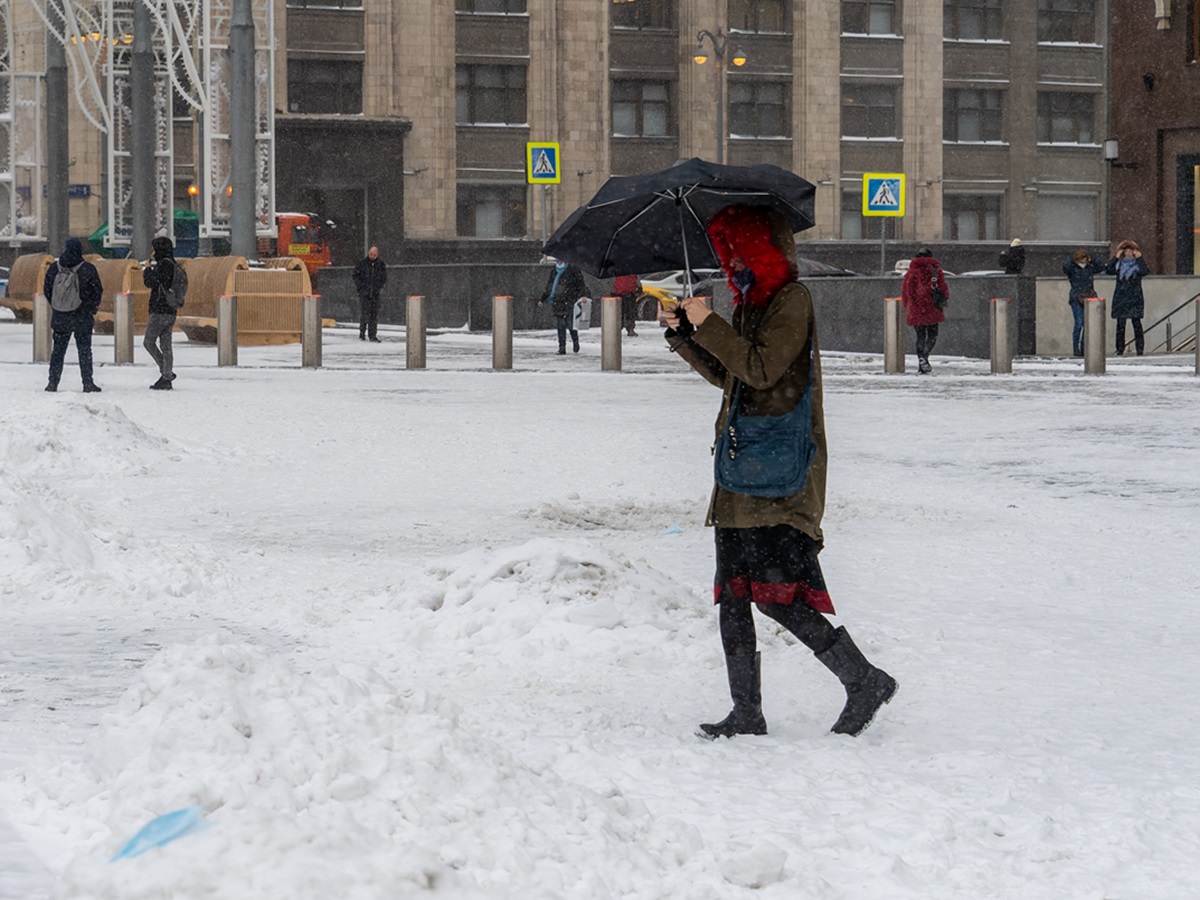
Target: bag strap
column 735, row 401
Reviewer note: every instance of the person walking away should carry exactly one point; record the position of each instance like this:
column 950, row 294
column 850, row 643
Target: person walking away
column 923, row 314
column 160, row 275
column 1012, row 260
column 564, row 286
column 626, row 287
column 1128, row 301
column 72, row 286
column 1080, row 270
column 768, row 358
column 370, row 275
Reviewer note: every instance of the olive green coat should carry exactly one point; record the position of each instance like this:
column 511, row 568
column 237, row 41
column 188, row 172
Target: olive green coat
column 765, row 349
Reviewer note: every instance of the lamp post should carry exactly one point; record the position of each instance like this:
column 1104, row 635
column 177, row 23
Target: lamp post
column 719, row 42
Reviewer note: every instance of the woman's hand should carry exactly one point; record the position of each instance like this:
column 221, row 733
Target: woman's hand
column 697, row 310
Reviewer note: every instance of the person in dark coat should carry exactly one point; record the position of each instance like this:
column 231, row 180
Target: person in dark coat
column 1128, row 301
column 917, row 292
column 564, row 286
column 159, row 276
column 78, row 322
column 1012, row 260
column 767, row 547
column 370, row 275
column 1080, row 270
column 626, row 288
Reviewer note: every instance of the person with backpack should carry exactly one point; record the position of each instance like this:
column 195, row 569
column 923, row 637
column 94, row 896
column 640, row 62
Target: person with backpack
column 168, row 287
column 72, row 286
column 925, row 293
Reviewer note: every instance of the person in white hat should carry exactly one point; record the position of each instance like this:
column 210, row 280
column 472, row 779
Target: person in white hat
column 1012, row 260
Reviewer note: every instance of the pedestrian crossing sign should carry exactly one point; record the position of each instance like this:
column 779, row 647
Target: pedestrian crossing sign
column 542, row 163
column 883, row 194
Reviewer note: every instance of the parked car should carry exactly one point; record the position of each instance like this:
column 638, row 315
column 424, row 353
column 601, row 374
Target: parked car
column 674, row 283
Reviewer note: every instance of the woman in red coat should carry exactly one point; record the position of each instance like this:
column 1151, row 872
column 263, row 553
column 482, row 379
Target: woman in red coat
column 923, row 273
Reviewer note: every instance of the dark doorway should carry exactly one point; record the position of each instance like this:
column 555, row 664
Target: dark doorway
column 346, row 208
column 1187, row 215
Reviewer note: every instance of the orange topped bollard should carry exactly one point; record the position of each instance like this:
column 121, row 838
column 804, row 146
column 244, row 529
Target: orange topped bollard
column 1095, row 335
column 893, row 336
column 502, row 332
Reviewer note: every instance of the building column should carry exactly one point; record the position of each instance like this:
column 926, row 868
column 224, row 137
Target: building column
column 922, row 119
column 698, row 84
column 816, row 108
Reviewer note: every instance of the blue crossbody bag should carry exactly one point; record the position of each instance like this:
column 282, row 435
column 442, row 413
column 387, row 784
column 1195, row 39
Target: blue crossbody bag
column 767, row 456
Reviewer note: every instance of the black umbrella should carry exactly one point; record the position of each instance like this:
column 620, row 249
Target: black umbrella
column 644, row 223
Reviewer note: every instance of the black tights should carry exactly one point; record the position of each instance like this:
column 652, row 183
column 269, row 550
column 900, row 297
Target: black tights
column 737, row 624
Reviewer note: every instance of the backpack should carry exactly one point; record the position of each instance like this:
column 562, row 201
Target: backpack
column 177, row 292
column 65, row 291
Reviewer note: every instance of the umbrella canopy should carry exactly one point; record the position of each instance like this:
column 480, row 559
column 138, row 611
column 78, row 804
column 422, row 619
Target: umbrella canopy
column 645, row 223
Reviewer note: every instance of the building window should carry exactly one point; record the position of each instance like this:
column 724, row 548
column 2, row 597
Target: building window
column 1066, row 217
column 869, row 111
column 972, row 116
column 1066, row 21
column 759, row 15
column 641, row 109
column 325, row 87
column 489, row 95
column 1064, row 118
column 870, row 16
column 972, row 20
column 495, row 7
column 644, row 14
column 491, row 210
column 338, row 4
column 971, row 217
column 1194, row 31
column 856, row 226
column 757, row 108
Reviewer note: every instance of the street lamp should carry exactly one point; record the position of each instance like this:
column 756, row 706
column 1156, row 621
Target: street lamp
column 738, row 58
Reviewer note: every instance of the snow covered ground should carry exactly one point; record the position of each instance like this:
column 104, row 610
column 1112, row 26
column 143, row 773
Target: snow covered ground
column 449, row 632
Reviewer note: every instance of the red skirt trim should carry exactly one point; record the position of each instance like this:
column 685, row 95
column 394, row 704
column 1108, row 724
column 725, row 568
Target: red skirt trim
column 775, row 592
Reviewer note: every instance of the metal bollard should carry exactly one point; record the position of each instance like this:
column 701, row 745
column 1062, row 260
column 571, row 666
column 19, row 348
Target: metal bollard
column 414, row 332
column 502, row 332
column 1002, row 343
column 893, row 336
column 123, row 329
column 310, row 332
column 610, row 334
column 1095, row 335
column 227, row 339
column 1196, row 331
column 41, row 328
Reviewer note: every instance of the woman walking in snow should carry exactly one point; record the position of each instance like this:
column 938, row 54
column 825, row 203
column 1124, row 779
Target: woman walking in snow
column 920, row 305
column 1081, row 271
column 767, row 547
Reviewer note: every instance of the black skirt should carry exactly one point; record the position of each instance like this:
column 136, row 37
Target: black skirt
column 770, row 564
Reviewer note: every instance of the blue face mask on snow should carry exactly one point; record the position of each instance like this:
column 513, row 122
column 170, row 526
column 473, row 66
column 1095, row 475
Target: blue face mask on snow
column 743, row 280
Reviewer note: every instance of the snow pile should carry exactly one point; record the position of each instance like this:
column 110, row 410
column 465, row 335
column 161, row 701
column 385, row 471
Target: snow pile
column 332, row 783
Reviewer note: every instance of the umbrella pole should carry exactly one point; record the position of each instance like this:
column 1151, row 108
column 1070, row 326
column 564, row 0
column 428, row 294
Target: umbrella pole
column 687, row 264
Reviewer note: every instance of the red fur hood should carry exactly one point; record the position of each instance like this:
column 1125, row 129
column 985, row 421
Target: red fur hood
column 753, row 235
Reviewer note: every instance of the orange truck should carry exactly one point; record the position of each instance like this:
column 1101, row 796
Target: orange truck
column 300, row 235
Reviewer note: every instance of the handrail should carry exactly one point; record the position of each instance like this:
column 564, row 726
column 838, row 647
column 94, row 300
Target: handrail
column 1170, row 338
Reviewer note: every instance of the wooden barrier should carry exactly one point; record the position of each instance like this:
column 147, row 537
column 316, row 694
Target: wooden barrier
column 24, row 283
column 270, row 299
column 121, row 276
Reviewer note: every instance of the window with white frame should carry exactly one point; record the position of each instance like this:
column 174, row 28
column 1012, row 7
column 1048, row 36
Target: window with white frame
column 972, row 116
column 491, row 210
column 1067, row 217
column 1066, row 21
column 869, row 111
column 870, row 17
column 971, row 217
column 489, row 94
column 642, row 109
column 768, row 16
column 973, row 20
column 758, row 107
column 1065, row 117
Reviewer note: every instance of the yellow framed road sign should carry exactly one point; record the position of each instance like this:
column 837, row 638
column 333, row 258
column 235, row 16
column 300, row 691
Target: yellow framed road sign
column 543, row 163
column 883, row 194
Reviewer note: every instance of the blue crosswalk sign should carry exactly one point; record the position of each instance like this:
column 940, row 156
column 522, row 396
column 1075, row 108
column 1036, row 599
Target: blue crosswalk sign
column 542, row 163
column 883, row 194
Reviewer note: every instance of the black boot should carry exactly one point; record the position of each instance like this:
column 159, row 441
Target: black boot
column 867, row 687
column 745, row 687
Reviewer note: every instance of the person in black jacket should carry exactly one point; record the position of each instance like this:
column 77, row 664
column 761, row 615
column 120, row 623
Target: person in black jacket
column 159, row 276
column 564, row 286
column 1128, row 301
column 370, row 275
column 1080, row 270
column 79, row 321
column 1013, row 259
